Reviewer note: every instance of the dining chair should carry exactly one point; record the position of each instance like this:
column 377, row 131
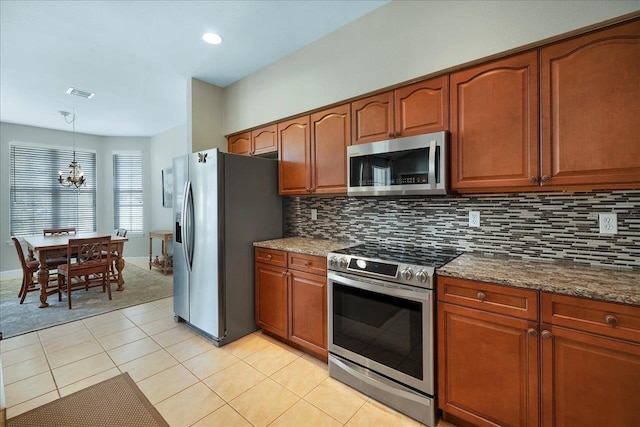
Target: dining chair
column 93, row 260
column 120, row 232
column 29, row 283
column 58, row 231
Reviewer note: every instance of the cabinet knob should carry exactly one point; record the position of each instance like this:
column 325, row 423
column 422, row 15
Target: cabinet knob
column 546, row 334
column 482, row 296
column 397, row 134
column 533, row 179
column 611, row 320
column 269, row 256
column 532, row 332
column 284, row 273
column 546, row 178
column 390, row 134
column 307, row 263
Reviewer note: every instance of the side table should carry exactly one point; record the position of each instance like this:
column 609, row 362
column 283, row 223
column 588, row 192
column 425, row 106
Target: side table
column 166, row 264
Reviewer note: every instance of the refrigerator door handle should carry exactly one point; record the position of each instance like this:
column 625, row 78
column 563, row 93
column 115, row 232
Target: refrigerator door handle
column 186, row 229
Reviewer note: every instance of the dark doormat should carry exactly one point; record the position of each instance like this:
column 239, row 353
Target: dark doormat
column 115, row 402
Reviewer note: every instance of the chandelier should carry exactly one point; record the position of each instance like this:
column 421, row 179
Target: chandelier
column 75, row 178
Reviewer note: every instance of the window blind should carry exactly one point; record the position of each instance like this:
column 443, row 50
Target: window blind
column 38, row 201
column 128, row 206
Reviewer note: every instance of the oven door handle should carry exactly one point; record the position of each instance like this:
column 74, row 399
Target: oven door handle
column 416, row 294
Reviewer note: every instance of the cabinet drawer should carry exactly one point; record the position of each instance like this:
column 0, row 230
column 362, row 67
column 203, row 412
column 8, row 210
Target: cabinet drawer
column 599, row 317
column 522, row 303
column 308, row 263
column 271, row 256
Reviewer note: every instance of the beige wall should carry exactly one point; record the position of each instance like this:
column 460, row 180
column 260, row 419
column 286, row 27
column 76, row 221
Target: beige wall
column 204, row 116
column 400, row 41
column 164, row 147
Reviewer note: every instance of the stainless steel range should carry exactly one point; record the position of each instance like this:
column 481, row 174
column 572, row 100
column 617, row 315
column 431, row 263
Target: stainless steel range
column 381, row 323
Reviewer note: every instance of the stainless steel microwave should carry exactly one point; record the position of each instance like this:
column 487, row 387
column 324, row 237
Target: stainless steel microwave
column 402, row 166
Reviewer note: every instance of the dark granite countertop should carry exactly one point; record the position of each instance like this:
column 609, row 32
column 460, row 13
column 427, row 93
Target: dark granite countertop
column 606, row 284
column 304, row 245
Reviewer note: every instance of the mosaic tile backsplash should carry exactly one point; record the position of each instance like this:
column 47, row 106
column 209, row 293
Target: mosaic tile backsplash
column 558, row 226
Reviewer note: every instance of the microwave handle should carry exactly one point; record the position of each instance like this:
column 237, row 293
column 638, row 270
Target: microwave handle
column 432, row 164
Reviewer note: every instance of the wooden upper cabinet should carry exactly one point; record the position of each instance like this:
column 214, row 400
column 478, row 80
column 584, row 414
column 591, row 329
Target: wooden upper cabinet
column 414, row 109
column 240, row 143
column 422, row 107
column 494, row 124
column 591, row 108
column 330, row 136
column 294, row 151
column 372, row 118
column 264, row 140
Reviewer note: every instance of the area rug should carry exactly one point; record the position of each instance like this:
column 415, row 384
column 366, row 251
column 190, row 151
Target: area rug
column 140, row 286
column 115, row 402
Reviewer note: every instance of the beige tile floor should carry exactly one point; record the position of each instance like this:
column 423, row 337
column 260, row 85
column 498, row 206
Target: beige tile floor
column 254, row 381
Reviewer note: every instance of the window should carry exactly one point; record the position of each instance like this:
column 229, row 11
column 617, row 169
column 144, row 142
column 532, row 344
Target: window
column 38, row 201
column 128, row 207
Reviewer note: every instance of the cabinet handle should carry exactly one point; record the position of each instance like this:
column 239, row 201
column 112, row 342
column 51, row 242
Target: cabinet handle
column 307, row 263
column 532, row 332
column 611, row 320
column 546, row 334
column 397, row 134
column 284, row 273
column 269, row 256
column 533, row 179
column 546, row 178
column 482, row 296
column 390, row 134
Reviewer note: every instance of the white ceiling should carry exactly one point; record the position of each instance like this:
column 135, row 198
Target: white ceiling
column 138, row 55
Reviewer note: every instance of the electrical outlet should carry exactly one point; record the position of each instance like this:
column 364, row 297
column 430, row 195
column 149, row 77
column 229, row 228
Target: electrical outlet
column 474, row 219
column 314, row 214
column 608, row 223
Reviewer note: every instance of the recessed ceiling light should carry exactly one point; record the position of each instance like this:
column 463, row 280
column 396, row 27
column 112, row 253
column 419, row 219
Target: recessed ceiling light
column 212, row 38
column 80, row 92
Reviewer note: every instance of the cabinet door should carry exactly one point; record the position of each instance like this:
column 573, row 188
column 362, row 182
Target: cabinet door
column 590, row 108
column 271, row 299
column 240, row 143
column 294, row 155
column 308, row 311
column 265, row 140
column 372, row 118
column 422, row 107
column 494, row 124
column 487, row 367
column 330, row 136
column 588, row 380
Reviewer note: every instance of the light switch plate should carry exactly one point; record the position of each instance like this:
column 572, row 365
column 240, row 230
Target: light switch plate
column 608, row 223
column 474, row 219
column 314, row 214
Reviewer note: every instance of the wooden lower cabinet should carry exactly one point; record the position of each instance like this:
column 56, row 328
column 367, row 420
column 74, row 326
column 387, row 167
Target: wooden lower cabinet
column 291, row 298
column 271, row 298
column 488, row 367
column 576, row 364
column 590, row 362
column 307, row 319
column 589, row 380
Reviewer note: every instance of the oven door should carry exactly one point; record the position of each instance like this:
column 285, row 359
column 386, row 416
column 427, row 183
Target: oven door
column 383, row 326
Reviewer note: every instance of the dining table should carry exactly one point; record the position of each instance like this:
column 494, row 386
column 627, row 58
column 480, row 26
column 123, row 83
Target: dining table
column 49, row 247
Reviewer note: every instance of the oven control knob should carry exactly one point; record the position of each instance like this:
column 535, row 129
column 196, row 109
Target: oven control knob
column 333, row 261
column 421, row 276
column 343, row 263
column 406, row 274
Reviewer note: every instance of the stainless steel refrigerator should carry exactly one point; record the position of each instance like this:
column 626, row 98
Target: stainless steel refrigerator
column 222, row 204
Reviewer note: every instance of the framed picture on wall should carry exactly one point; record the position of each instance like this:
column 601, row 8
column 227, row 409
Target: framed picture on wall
column 167, row 187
